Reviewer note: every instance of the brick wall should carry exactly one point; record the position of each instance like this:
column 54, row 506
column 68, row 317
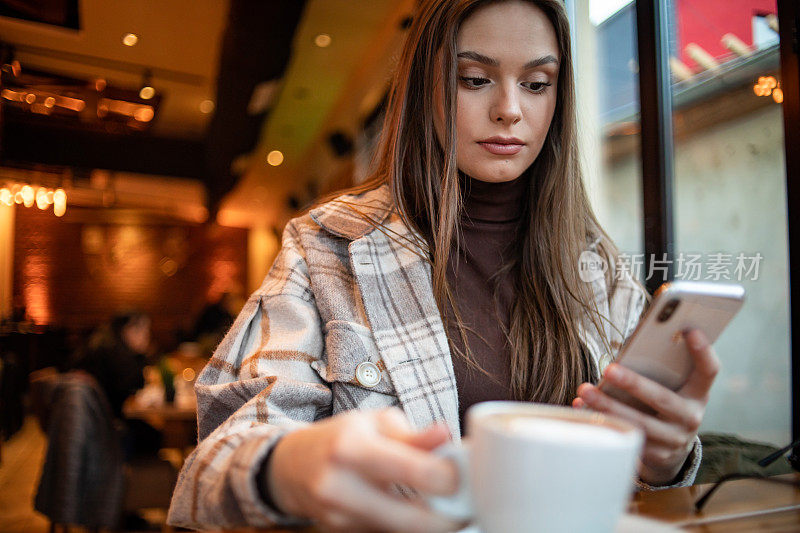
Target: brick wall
column 76, row 271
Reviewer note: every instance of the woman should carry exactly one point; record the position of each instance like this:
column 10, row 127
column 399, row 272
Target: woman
column 116, row 357
column 451, row 277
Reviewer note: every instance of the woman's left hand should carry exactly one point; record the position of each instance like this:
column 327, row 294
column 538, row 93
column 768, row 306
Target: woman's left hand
column 670, row 432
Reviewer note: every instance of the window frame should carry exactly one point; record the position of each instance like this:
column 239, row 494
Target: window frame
column 657, row 156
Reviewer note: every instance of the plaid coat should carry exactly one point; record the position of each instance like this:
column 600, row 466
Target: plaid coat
column 343, row 290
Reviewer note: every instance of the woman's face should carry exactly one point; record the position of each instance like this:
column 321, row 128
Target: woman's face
column 508, row 59
column 136, row 334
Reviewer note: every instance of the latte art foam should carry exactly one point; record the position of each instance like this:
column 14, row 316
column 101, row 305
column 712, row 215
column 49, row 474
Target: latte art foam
column 563, row 431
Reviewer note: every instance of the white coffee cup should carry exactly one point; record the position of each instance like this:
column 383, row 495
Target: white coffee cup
column 529, row 467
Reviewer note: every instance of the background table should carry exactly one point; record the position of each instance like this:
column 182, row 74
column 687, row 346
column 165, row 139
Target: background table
column 741, row 505
column 178, row 424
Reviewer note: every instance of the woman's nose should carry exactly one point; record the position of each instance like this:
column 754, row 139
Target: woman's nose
column 506, row 108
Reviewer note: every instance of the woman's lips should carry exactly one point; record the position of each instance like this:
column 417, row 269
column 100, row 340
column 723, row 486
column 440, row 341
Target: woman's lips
column 502, row 149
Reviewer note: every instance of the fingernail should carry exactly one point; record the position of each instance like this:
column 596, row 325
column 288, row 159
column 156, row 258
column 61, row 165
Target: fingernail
column 588, row 393
column 612, row 372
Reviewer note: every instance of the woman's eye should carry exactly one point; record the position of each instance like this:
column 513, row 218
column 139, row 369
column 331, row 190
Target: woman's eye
column 473, row 82
column 537, row 86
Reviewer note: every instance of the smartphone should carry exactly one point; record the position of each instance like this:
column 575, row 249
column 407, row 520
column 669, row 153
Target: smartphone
column 657, row 350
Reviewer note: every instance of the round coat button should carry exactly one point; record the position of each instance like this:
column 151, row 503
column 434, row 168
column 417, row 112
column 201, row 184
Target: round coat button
column 368, row 374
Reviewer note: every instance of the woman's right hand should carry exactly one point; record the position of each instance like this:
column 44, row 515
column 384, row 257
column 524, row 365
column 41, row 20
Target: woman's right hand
column 338, row 472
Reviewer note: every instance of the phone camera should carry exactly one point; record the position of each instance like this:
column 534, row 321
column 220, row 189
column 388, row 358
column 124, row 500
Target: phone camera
column 668, row 310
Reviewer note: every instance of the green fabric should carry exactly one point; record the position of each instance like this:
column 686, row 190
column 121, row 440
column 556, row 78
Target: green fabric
column 728, row 454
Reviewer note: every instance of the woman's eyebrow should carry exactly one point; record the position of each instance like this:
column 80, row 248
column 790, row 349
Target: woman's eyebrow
column 492, row 62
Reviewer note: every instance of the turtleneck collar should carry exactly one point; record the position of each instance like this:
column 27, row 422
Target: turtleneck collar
column 493, row 202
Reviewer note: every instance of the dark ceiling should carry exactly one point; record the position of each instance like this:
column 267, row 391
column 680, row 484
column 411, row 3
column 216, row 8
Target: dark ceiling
column 256, row 47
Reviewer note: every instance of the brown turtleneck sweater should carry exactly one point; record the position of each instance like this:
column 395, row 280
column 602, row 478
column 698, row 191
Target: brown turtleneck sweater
column 489, row 225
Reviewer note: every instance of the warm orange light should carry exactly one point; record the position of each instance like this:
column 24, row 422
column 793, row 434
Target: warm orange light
column 49, row 197
column 10, row 95
column 30, row 98
column 18, row 198
column 130, row 39
column 144, row 114
column 188, row 374
column 99, row 84
column 275, row 158
column 71, row 103
column 777, row 95
column 59, row 202
column 27, row 195
column 49, row 102
column 322, row 40
column 206, row 106
column 5, row 197
column 765, row 87
column 41, row 198
column 147, row 93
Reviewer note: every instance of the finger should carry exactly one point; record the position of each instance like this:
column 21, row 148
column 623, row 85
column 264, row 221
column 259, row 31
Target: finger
column 384, row 461
column 578, row 403
column 430, row 438
column 355, row 504
column 393, row 423
column 667, row 403
column 706, row 365
column 655, row 430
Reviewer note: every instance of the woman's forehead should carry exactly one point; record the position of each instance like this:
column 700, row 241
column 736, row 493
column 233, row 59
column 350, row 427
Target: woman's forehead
column 516, row 30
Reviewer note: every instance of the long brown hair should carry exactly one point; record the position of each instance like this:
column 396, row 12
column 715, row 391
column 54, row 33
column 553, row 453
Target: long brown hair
column 558, row 223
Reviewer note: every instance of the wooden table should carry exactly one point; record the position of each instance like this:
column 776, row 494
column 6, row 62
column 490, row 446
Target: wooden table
column 178, row 424
column 737, row 506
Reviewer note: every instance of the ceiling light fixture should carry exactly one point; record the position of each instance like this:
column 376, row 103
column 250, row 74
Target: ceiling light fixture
column 130, row 39
column 206, row 106
column 322, row 40
column 275, row 158
column 147, row 91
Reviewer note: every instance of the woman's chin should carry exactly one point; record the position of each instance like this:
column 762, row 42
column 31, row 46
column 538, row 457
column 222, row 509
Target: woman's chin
column 495, row 177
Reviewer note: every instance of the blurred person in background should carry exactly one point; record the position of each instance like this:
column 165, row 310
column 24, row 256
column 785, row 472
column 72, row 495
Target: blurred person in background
column 116, row 356
column 213, row 321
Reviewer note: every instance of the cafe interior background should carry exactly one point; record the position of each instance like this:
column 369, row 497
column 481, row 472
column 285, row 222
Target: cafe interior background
column 151, row 153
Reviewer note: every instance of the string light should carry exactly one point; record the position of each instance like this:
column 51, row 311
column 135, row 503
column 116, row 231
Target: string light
column 41, row 198
column 27, row 195
column 34, row 195
column 59, row 202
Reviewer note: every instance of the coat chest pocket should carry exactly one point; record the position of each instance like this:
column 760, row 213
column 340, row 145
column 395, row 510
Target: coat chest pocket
column 352, row 360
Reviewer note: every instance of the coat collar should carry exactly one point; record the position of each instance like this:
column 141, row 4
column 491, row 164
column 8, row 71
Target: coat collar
column 354, row 216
